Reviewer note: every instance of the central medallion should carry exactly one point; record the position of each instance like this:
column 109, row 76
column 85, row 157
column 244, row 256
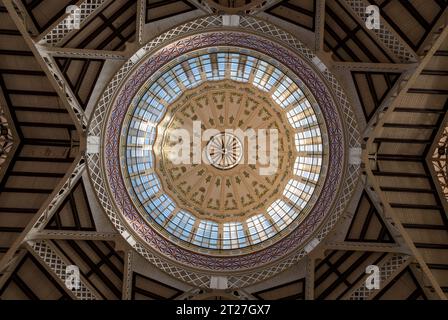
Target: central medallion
column 224, row 151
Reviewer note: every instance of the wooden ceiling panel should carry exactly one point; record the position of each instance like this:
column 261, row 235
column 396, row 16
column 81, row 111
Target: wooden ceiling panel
column 404, row 287
column 297, row 12
column 99, row 263
column 74, row 213
column 43, row 13
column 412, row 20
column 110, row 29
column 347, row 39
column 294, row 290
column 367, row 225
column 81, row 75
column 158, row 10
column 144, row 288
column 372, row 89
column 338, row 273
column 31, row 281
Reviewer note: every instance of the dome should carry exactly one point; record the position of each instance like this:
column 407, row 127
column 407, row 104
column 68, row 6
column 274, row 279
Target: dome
column 225, row 149
column 224, row 201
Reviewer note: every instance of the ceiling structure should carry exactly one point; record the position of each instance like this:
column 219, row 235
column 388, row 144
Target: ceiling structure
column 56, row 88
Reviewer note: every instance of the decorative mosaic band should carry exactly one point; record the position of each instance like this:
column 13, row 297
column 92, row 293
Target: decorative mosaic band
column 6, row 138
column 438, row 160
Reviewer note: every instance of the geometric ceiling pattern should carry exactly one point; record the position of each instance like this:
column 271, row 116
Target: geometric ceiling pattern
column 51, row 79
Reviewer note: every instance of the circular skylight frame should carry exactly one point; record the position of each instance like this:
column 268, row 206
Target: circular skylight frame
column 261, row 229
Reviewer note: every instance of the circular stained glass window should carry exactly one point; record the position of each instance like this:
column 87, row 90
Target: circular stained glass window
column 224, row 149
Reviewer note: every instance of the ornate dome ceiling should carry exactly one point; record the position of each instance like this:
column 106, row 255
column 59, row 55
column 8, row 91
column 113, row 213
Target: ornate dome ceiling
column 223, row 201
column 240, row 211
